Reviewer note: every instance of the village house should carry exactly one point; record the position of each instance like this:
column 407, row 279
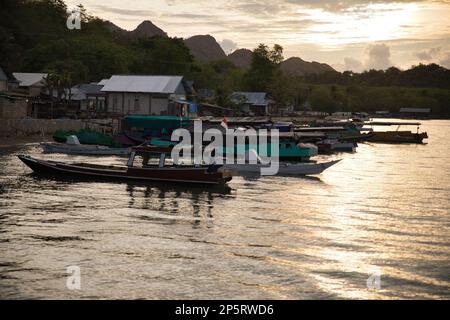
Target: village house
column 90, row 97
column 30, row 84
column 252, row 103
column 13, row 106
column 144, row 95
column 82, row 100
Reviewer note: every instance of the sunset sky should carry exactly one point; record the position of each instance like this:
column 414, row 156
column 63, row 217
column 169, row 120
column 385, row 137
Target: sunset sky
column 348, row 34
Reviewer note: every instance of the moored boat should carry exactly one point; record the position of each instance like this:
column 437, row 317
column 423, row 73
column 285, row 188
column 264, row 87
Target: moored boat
column 332, row 145
column 81, row 149
column 397, row 137
column 131, row 172
column 299, row 169
column 73, row 146
column 86, row 136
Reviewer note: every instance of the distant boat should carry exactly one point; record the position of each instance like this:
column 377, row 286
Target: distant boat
column 254, row 165
column 156, row 172
column 85, row 136
column 73, row 146
column 288, row 148
column 334, row 145
column 397, row 136
column 295, row 169
column 83, row 149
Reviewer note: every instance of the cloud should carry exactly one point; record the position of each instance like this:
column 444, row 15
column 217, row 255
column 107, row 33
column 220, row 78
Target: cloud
column 378, row 56
column 123, row 12
column 437, row 55
column 353, row 64
column 228, row 45
column 346, row 5
column 445, row 60
column 261, row 8
column 428, row 55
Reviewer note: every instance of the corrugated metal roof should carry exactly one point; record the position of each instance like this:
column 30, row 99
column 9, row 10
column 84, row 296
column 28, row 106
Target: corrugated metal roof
column 29, row 79
column 90, row 88
column 103, row 82
column 254, row 98
column 144, row 84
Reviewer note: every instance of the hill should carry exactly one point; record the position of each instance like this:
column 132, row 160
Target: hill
column 298, row 67
column 241, row 58
column 205, row 48
column 146, row 30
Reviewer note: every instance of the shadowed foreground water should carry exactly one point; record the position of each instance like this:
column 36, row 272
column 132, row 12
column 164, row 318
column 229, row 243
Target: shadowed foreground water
column 383, row 209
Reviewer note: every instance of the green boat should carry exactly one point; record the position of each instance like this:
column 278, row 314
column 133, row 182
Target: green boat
column 288, row 149
column 162, row 143
column 154, row 125
column 86, row 136
column 61, row 135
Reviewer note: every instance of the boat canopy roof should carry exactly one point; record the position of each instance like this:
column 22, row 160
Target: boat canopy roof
column 318, row 129
column 392, row 123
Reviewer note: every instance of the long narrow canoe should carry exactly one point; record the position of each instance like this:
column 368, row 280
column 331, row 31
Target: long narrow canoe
column 179, row 174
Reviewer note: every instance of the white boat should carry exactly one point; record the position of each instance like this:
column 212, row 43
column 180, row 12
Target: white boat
column 74, row 147
column 299, row 169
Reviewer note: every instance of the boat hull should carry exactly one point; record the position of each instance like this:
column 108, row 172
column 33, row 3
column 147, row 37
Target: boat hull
column 398, row 137
column 300, row 169
column 336, row 146
column 198, row 175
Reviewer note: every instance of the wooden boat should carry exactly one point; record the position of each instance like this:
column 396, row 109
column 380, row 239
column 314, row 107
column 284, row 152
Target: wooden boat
column 288, row 148
column 73, row 146
column 130, row 172
column 397, row 137
column 86, row 136
column 254, row 164
column 332, row 145
column 82, row 149
column 298, row 169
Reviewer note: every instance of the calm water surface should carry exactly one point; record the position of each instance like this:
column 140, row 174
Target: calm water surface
column 384, row 209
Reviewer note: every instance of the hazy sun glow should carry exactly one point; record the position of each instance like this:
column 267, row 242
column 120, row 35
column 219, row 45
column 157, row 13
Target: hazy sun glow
column 380, row 22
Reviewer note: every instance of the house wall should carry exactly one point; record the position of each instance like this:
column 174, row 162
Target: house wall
column 259, row 110
column 137, row 103
column 93, row 103
column 34, row 91
column 13, row 108
column 3, row 85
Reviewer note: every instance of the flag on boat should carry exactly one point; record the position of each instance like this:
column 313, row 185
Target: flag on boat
column 224, row 123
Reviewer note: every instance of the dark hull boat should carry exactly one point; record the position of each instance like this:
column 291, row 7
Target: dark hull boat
column 181, row 174
column 398, row 137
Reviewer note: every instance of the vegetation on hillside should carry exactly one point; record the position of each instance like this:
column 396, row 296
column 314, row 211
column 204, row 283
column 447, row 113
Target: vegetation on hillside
column 34, row 38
